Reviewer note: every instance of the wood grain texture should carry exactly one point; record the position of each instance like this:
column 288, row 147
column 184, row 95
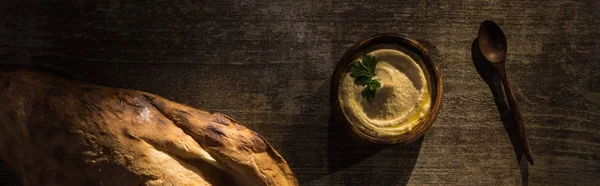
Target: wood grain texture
column 268, row 64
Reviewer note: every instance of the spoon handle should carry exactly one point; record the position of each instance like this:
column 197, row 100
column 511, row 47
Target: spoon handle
column 516, row 113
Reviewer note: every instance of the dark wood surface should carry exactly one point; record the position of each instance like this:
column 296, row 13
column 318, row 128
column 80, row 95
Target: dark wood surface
column 268, row 64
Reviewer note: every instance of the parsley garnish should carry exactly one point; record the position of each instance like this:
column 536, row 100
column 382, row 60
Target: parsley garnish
column 363, row 74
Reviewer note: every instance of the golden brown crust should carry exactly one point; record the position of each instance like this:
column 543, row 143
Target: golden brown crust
column 58, row 132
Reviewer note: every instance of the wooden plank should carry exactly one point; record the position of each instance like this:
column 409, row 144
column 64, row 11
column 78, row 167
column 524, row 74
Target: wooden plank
column 268, row 65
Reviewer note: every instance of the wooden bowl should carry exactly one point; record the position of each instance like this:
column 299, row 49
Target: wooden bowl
column 415, row 51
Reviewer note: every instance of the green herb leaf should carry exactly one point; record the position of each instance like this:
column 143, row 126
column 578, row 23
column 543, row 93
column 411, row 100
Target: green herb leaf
column 370, row 91
column 362, row 80
column 374, row 85
column 370, row 62
column 363, row 73
column 367, row 94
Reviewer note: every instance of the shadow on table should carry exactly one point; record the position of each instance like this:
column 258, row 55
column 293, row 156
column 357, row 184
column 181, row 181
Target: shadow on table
column 354, row 161
column 7, row 176
column 492, row 79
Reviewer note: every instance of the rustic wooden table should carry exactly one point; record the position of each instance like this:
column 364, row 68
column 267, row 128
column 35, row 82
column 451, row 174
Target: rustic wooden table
column 268, row 64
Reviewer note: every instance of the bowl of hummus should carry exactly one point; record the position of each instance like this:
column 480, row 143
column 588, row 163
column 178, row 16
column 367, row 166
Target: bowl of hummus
column 398, row 102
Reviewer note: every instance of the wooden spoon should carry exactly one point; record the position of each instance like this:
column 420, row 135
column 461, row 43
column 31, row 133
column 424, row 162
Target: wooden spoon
column 492, row 44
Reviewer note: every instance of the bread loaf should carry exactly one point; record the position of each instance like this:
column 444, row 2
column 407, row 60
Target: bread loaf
column 55, row 131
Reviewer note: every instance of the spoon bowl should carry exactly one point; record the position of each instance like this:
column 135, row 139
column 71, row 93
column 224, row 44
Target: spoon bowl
column 492, row 42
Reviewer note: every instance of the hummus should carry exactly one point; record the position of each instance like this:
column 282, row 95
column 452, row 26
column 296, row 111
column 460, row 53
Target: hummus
column 400, row 103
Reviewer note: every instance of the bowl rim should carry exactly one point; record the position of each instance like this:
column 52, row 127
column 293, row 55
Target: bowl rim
column 430, row 66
